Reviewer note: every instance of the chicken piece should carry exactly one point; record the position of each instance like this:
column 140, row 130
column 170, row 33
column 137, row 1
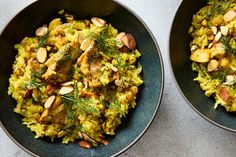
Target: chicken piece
column 60, row 65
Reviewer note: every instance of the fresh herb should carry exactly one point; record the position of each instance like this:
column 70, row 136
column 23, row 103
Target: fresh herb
column 218, row 8
column 105, row 43
column 42, row 41
column 115, row 104
column 82, row 105
column 35, row 81
column 220, row 75
column 228, row 48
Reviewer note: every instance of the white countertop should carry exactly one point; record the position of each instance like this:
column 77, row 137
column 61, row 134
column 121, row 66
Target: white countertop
column 176, row 130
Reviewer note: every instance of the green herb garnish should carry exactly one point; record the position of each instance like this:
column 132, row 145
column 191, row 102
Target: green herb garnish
column 42, row 41
column 227, row 46
column 105, row 43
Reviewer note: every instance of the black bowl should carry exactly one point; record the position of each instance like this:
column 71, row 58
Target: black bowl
column 179, row 53
column 139, row 119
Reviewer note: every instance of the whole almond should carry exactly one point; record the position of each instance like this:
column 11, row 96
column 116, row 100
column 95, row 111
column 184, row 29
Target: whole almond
column 48, row 103
column 41, row 54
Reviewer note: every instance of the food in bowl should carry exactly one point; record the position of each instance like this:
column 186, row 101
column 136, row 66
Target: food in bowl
column 75, row 80
column 213, row 51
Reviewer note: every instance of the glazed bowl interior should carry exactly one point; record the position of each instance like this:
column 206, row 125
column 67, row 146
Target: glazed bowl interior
column 133, row 126
column 181, row 66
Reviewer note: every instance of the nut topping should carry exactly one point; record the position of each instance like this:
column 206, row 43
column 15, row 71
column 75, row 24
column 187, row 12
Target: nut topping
column 230, row 15
column 41, row 54
column 66, row 90
column 41, row 31
column 48, row 103
column 129, row 41
column 98, row 22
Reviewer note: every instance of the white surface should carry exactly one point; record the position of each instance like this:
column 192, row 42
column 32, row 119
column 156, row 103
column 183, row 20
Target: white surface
column 177, row 130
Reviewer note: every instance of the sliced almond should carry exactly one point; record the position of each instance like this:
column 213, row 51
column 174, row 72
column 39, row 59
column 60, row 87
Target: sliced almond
column 105, row 142
column 66, row 90
column 41, row 54
column 230, row 80
column 86, row 43
column 49, row 101
column 210, row 45
column 129, row 41
column 217, row 37
column 212, row 65
column 61, row 134
column 98, row 21
column 119, row 43
column 193, row 47
column 85, row 144
column 41, row 31
column 120, row 35
column 115, row 69
column 224, row 30
column 214, row 29
column 68, row 83
column 230, row 15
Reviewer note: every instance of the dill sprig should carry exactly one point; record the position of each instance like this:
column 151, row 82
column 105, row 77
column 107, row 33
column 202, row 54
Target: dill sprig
column 220, row 75
column 105, row 43
column 35, row 81
column 42, row 40
column 227, row 46
column 115, row 104
column 218, row 7
column 81, row 105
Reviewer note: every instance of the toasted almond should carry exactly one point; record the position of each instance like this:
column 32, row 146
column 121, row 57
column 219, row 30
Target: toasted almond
column 119, row 43
column 212, row 65
column 41, row 54
column 115, row 69
column 230, row 80
column 61, row 134
column 230, row 15
column 129, row 41
column 224, row 30
column 105, row 142
column 214, row 29
column 66, row 90
column 86, row 43
column 68, row 83
column 210, row 45
column 217, row 37
column 85, row 144
column 49, row 101
column 120, row 35
column 193, row 47
column 98, row 21
column 41, row 31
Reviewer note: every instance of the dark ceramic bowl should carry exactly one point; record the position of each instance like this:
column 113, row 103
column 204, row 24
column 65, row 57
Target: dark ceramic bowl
column 179, row 53
column 139, row 119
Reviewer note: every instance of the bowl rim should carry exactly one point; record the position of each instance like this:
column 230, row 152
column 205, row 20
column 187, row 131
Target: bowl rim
column 160, row 96
column 177, row 85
